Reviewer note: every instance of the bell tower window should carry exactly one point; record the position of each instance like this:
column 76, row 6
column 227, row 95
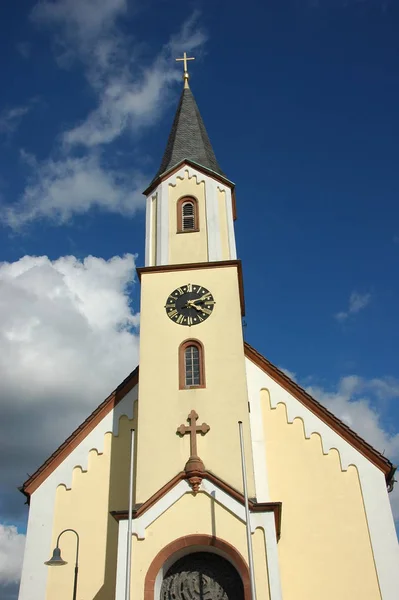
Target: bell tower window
column 191, row 365
column 187, row 215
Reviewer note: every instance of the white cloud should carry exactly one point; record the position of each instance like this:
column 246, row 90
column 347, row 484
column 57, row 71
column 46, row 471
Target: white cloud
column 129, row 97
column 125, row 104
column 12, row 546
column 68, row 336
column 131, row 91
column 355, row 401
column 11, row 118
column 357, row 302
column 83, row 20
column 59, row 189
column 289, row 373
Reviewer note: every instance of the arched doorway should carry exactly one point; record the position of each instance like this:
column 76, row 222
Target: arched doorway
column 188, row 545
column 202, row 576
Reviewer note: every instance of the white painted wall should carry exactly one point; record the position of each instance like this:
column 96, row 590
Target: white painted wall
column 375, row 496
column 230, row 220
column 264, row 521
column 149, row 259
column 212, row 217
column 41, row 512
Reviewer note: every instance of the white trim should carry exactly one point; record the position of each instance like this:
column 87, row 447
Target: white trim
column 224, row 499
column 230, row 221
column 375, row 497
column 141, row 523
column 212, row 220
column 257, row 435
column 38, row 544
column 162, row 246
column 130, row 517
column 42, row 503
column 122, row 561
column 258, row 520
column 212, row 217
column 148, row 231
column 151, row 233
column 266, row 522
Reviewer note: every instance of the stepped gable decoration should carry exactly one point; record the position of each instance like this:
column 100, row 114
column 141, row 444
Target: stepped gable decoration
column 373, row 455
column 194, row 467
column 378, row 459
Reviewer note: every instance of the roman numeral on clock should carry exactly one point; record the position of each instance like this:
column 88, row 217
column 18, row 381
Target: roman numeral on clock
column 190, row 304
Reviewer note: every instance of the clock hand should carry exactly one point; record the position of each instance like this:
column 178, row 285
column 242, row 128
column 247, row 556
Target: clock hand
column 203, row 298
column 191, row 304
column 203, row 301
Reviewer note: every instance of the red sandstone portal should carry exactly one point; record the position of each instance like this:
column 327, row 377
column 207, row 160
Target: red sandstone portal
column 196, row 540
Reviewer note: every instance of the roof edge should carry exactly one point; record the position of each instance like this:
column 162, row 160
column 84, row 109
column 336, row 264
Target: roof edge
column 254, row 506
column 41, row 474
column 373, row 455
column 155, row 182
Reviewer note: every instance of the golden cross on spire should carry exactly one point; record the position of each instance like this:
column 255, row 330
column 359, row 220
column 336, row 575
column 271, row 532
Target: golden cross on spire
column 185, row 72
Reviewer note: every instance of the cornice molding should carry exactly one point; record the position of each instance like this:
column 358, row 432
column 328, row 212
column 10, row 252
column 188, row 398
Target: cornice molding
column 174, row 489
column 200, row 265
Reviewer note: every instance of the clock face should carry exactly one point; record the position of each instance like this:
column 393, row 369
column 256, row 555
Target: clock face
column 189, row 305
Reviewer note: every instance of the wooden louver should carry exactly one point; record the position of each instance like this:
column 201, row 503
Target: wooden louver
column 188, row 216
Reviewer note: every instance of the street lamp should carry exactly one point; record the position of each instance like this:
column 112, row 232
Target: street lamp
column 56, row 560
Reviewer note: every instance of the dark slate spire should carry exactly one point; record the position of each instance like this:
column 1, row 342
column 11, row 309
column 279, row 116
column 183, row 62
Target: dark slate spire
column 188, row 139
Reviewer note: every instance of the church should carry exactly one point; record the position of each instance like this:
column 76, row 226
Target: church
column 207, row 474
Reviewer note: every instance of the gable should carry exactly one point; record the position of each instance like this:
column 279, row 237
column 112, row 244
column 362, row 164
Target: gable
column 321, row 413
column 80, row 434
column 317, row 409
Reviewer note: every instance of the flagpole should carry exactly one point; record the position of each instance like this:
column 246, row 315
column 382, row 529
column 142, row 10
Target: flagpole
column 247, row 516
column 129, row 527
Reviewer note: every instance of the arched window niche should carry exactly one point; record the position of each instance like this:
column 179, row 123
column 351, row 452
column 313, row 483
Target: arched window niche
column 191, row 365
column 187, row 215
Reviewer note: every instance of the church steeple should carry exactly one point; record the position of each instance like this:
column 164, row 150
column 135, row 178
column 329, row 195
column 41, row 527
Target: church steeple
column 188, row 139
column 189, row 194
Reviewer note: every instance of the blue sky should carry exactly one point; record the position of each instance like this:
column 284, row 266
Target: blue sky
column 300, row 101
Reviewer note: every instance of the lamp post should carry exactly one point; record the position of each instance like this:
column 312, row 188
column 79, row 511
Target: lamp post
column 57, row 561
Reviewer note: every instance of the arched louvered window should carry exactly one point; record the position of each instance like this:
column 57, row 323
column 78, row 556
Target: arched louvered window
column 191, row 365
column 187, row 215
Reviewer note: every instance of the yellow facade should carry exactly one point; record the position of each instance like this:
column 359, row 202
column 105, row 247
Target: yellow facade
column 86, row 508
column 163, row 407
column 191, row 515
column 221, row 404
column 327, row 549
column 324, row 550
column 187, row 247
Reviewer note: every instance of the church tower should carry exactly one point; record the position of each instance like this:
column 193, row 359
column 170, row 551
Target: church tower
column 147, row 497
column 191, row 311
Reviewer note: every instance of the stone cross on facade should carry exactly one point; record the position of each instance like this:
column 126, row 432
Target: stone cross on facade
column 194, row 467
